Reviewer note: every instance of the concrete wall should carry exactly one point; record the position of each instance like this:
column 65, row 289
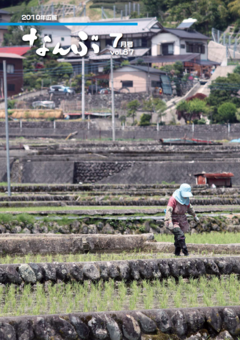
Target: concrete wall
column 138, row 172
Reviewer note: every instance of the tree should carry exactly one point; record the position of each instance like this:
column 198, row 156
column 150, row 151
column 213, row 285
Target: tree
column 125, row 63
column 223, row 89
column 192, row 109
column 155, row 105
column 62, row 70
column 13, row 37
column 234, row 7
column 145, row 119
column 227, row 113
column 132, row 108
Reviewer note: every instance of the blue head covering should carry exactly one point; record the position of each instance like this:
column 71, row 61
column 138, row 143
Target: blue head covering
column 183, row 193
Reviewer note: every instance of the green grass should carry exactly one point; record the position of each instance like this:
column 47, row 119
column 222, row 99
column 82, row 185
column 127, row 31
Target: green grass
column 98, row 207
column 204, row 238
column 114, row 296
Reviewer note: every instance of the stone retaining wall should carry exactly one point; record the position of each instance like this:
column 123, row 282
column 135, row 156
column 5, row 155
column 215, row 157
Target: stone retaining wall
column 88, row 172
column 118, row 270
column 219, row 323
column 98, row 225
column 58, row 244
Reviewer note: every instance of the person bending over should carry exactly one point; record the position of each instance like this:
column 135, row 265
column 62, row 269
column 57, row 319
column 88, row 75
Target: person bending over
column 175, row 218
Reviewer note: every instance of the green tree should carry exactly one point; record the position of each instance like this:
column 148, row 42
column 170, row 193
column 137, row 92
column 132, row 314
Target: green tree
column 192, row 108
column 145, row 119
column 227, row 113
column 234, row 7
column 62, row 70
column 132, row 108
column 13, row 37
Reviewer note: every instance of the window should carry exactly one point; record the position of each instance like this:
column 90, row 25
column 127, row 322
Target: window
column 182, row 46
column 155, row 83
column 167, row 49
column 195, row 48
column 137, row 42
column 127, row 83
column 11, row 87
column 1, row 66
column 109, row 42
column 10, row 68
column 62, row 39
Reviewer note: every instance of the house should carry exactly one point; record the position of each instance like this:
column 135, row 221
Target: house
column 4, row 17
column 14, row 73
column 140, row 35
column 140, row 79
column 19, row 50
column 58, row 34
column 176, row 41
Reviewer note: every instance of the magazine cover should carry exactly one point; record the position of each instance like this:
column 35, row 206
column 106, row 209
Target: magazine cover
column 120, row 170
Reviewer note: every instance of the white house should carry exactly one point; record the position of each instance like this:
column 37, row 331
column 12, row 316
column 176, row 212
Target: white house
column 176, row 41
column 58, row 34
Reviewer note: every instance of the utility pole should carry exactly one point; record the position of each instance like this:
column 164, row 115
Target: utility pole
column 83, row 88
column 6, row 122
column 113, row 106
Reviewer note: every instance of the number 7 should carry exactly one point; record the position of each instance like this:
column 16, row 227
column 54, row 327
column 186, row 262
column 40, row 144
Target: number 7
column 118, row 36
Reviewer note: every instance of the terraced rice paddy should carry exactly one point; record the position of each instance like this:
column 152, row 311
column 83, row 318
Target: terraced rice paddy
column 204, row 238
column 107, row 296
column 136, row 255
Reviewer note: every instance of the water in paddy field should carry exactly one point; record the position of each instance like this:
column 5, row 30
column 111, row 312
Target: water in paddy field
column 112, row 296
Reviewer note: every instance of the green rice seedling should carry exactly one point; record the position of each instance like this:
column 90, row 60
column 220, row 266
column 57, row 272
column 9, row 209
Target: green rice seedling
column 122, row 291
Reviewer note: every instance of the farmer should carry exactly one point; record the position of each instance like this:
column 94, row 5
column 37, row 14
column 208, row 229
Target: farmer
column 175, row 218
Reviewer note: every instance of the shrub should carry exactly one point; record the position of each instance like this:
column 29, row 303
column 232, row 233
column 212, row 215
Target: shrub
column 145, row 119
column 227, row 113
column 11, row 104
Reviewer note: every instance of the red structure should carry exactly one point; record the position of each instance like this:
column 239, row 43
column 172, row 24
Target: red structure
column 223, row 179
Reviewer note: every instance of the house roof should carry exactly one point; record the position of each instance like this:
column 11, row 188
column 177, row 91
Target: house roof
column 55, row 28
column 185, row 34
column 145, row 69
column 19, row 50
column 3, row 12
column 10, row 55
column 145, row 25
column 168, row 58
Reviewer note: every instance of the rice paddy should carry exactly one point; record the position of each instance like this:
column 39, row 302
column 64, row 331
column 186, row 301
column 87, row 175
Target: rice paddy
column 107, row 296
column 137, row 255
column 204, row 238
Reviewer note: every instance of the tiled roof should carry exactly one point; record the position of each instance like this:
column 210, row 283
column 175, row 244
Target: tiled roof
column 185, row 34
column 10, row 55
column 19, row 50
column 145, row 69
column 144, row 25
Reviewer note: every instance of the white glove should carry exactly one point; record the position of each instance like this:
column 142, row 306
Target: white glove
column 196, row 219
column 170, row 226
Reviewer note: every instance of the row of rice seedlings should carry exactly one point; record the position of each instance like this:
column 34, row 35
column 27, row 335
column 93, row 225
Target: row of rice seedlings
column 204, row 238
column 134, row 255
column 110, row 296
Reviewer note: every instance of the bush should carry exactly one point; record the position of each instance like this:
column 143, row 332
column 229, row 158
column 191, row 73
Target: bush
column 201, row 121
column 145, row 119
column 11, row 104
column 227, row 113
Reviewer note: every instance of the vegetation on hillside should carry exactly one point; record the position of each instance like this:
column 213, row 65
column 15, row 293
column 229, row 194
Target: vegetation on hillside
column 215, row 13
